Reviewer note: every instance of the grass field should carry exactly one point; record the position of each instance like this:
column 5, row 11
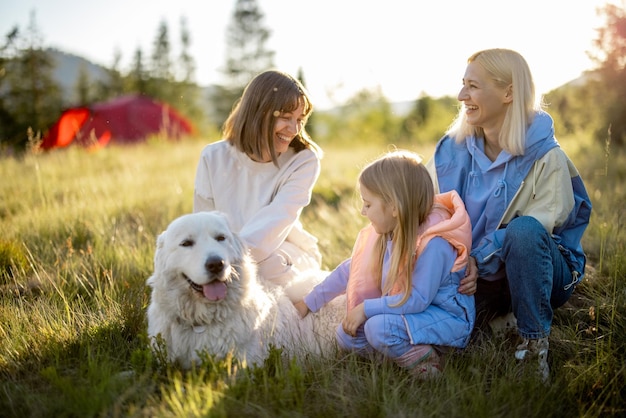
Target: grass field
column 77, row 241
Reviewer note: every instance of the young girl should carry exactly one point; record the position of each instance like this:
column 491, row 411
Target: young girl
column 262, row 174
column 402, row 278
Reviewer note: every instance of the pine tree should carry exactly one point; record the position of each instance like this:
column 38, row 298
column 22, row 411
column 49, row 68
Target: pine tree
column 7, row 53
column 246, row 44
column 82, row 87
column 161, row 61
column 247, row 54
column 31, row 99
column 161, row 76
column 138, row 77
column 187, row 64
column 611, row 43
column 114, row 85
column 186, row 89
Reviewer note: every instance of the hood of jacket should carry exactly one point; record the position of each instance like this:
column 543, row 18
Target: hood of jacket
column 456, row 165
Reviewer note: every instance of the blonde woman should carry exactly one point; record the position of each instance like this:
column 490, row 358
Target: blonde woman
column 527, row 203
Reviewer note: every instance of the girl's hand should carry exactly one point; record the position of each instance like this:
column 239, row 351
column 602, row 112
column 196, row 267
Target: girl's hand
column 468, row 283
column 301, row 307
column 354, row 319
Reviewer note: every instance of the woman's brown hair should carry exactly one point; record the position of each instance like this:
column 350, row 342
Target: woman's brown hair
column 249, row 126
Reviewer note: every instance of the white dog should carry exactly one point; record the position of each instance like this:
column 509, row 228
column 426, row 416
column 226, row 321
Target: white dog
column 206, row 297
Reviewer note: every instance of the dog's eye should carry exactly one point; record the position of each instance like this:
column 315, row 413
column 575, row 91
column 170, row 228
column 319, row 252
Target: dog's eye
column 187, row 243
column 220, row 237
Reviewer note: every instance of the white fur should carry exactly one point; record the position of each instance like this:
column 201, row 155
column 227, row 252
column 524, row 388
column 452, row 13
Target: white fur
column 253, row 315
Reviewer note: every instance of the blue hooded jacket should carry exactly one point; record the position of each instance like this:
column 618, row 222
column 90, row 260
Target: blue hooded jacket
column 457, row 169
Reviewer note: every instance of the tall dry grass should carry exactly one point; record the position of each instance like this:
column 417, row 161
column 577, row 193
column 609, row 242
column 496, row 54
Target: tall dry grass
column 78, row 235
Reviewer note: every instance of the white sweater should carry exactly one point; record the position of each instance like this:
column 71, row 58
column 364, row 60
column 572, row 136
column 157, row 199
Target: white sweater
column 263, row 203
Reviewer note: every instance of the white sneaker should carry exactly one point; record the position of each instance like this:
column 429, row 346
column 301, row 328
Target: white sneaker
column 429, row 368
column 502, row 324
column 535, row 348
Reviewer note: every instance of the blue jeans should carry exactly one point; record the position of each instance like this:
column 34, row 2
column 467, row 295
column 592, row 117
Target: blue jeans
column 539, row 278
column 384, row 333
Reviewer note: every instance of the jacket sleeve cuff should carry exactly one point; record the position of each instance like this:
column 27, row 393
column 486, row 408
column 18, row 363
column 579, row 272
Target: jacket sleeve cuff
column 488, row 252
column 373, row 307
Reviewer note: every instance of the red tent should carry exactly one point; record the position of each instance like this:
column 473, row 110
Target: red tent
column 127, row 119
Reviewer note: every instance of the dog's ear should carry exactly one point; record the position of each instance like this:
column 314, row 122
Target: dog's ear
column 158, row 258
column 239, row 244
column 161, row 240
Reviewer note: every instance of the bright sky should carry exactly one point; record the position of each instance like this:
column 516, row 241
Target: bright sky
column 403, row 47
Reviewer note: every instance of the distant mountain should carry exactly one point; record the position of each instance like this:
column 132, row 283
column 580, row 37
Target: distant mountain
column 67, row 69
column 583, row 79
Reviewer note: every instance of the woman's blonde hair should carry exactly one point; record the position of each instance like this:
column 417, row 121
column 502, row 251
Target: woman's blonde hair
column 250, row 125
column 506, row 68
column 400, row 179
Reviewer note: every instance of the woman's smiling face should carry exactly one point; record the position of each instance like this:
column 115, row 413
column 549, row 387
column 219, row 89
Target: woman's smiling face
column 485, row 102
column 286, row 127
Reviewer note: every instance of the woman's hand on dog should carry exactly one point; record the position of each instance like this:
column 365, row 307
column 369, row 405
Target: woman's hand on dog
column 301, row 307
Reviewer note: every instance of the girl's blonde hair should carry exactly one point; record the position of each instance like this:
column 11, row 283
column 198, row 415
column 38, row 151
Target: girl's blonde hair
column 506, row 68
column 250, row 125
column 400, row 179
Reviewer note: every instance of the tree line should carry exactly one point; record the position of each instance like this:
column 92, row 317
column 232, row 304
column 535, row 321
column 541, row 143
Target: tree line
column 598, row 105
column 31, row 100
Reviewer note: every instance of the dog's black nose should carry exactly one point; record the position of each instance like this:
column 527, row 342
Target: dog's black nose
column 214, row 264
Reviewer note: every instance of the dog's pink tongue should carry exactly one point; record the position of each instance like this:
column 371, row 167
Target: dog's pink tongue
column 214, row 291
